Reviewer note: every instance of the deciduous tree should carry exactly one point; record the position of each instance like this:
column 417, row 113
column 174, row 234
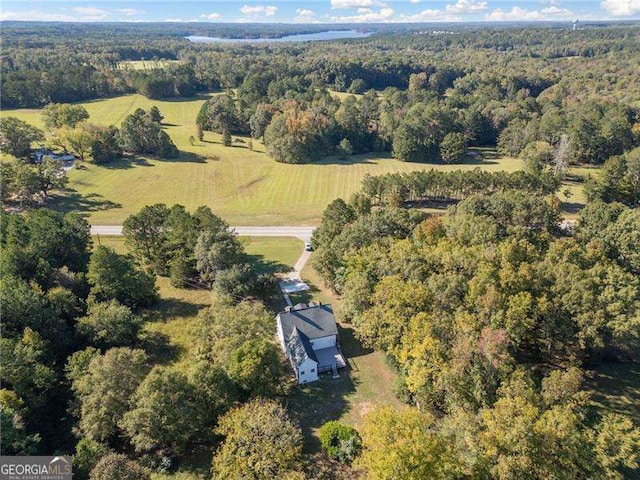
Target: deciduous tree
column 260, row 442
column 17, row 136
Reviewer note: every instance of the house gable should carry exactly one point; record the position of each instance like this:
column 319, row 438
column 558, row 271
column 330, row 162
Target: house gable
column 315, row 321
column 309, row 337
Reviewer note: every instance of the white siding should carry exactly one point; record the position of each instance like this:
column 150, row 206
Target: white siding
column 307, row 372
column 281, row 334
column 323, row 342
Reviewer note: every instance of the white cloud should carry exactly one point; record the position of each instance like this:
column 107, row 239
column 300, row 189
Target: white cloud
column 431, row 15
column 522, row 14
column 211, row 16
column 553, row 11
column 385, row 14
column 414, row 1
column 181, row 20
column 466, row 6
column 90, row 14
column 621, row 8
column 37, row 15
column 304, row 15
column 129, row 12
column 337, row 4
column 259, row 10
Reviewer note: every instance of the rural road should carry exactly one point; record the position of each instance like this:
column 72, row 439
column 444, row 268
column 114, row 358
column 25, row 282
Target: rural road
column 290, row 283
column 303, row 233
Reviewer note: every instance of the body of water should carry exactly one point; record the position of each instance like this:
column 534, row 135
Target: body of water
column 306, row 37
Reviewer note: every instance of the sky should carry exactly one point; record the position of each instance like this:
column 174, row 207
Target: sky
column 320, row 11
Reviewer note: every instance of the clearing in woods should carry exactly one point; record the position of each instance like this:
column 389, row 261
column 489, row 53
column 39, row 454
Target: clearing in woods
column 244, row 186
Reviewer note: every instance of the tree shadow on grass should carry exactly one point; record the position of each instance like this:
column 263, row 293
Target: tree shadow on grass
column 362, row 159
column 72, row 201
column 169, row 308
column 159, row 348
column 479, row 159
column 352, row 347
column 260, row 265
column 572, row 207
column 314, row 404
column 616, row 388
column 185, row 157
column 127, row 163
column 203, row 96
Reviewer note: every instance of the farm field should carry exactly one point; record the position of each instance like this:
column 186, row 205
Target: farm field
column 147, row 64
column 243, row 186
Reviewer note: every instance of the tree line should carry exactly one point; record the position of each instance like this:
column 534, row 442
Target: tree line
column 300, row 121
column 447, row 186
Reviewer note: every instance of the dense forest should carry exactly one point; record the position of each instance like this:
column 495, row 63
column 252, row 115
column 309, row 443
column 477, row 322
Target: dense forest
column 425, row 97
column 491, row 315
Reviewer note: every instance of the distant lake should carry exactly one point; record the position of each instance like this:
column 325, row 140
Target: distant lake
column 305, row 37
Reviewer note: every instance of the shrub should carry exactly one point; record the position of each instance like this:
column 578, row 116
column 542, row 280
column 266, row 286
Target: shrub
column 340, row 442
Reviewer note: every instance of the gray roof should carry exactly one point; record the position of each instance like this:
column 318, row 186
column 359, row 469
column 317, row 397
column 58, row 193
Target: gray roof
column 300, row 348
column 314, row 322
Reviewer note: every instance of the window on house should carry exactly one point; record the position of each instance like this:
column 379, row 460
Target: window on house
column 313, row 370
column 302, row 372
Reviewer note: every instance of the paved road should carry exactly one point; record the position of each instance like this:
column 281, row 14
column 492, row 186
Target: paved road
column 303, row 233
column 291, row 282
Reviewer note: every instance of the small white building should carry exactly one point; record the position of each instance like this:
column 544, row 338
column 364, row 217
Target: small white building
column 308, row 335
column 65, row 157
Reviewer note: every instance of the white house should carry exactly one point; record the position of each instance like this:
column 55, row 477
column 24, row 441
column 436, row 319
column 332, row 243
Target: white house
column 308, row 336
column 65, row 157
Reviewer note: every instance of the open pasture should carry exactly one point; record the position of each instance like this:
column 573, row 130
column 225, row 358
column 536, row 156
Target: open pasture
column 244, row 186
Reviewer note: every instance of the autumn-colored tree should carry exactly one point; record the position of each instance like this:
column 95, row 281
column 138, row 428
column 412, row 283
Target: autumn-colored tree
column 260, row 442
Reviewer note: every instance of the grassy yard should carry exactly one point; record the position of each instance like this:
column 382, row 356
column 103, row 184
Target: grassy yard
column 169, row 328
column 366, row 383
column 245, row 187
column 273, row 254
column 574, row 185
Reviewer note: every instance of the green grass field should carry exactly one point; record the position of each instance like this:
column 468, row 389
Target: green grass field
column 245, row 187
column 273, row 254
column 147, row 64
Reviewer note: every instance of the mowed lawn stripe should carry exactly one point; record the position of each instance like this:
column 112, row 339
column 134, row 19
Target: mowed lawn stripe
column 245, row 187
